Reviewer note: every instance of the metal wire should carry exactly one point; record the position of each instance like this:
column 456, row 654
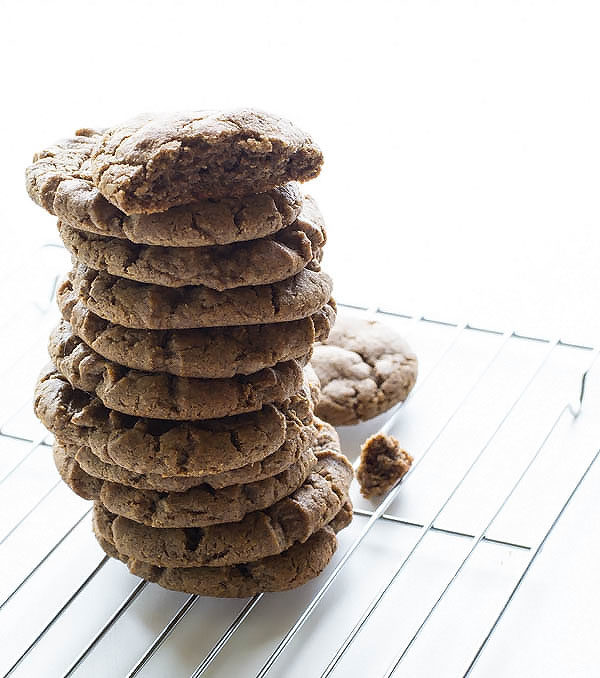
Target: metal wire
column 386, row 502
column 117, row 614
column 168, row 629
column 44, row 559
column 535, row 554
column 162, row 636
column 242, row 616
column 61, row 609
column 252, row 604
column 426, row 528
column 24, row 458
column 394, row 665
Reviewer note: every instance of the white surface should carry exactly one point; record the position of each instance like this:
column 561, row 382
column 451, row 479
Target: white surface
column 461, row 181
column 482, row 407
column 461, row 138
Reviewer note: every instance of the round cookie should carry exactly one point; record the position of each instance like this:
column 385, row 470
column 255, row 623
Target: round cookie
column 255, row 262
column 165, row 396
column 154, row 307
column 259, row 534
column 59, row 180
column 153, row 162
column 209, row 352
column 295, row 444
column 365, row 367
column 287, row 570
column 168, row 448
column 199, row 506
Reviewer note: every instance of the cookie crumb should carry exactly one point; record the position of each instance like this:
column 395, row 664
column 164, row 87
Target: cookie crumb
column 382, row 463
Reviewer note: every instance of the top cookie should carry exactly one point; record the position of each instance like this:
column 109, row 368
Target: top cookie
column 154, row 162
column 60, row 181
column 365, row 367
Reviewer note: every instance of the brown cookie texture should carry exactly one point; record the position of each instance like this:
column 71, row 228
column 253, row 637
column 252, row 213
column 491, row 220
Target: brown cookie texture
column 326, row 437
column 365, row 368
column 287, row 570
column 65, row 161
column 199, row 506
column 83, row 484
column 382, row 463
column 154, row 162
column 255, row 262
column 165, row 396
column 209, row 352
column 313, row 381
column 170, row 448
column 155, row 307
column 295, row 445
column 59, row 180
column 258, row 535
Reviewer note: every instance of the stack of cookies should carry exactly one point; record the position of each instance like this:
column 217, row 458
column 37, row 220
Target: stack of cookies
column 178, row 391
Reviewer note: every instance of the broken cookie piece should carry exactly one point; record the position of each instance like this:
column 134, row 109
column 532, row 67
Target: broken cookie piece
column 382, row 463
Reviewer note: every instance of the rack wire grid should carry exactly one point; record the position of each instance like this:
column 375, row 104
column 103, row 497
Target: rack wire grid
column 504, row 433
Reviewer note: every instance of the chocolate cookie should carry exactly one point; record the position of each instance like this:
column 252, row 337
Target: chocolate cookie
column 365, row 367
column 259, row 534
column 166, row 396
column 83, row 484
column 295, row 444
column 146, row 306
column 59, row 180
column 382, row 463
column 168, row 448
column 154, row 162
column 197, row 507
column 222, row 267
column 287, row 570
column 209, row 352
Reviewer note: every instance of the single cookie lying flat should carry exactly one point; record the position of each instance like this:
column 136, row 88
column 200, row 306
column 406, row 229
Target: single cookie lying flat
column 365, row 367
column 287, row 570
column 154, row 307
column 258, row 535
column 209, row 352
column 197, row 507
column 59, row 180
column 194, row 450
column 166, row 396
column 255, row 262
column 382, row 463
column 151, row 163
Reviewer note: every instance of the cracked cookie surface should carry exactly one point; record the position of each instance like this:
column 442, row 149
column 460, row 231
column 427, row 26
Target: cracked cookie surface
column 382, row 463
column 146, row 306
column 216, row 451
column 198, row 506
column 209, row 352
column 259, row 534
column 60, row 181
column 255, row 262
column 365, row 368
column 165, row 396
column 287, row 570
column 153, row 162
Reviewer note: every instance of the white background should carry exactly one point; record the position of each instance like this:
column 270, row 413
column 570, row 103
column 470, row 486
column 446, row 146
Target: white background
column 462, row 150
column 462, row 139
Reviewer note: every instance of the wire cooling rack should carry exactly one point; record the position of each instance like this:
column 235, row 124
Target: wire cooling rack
column 427, row 582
